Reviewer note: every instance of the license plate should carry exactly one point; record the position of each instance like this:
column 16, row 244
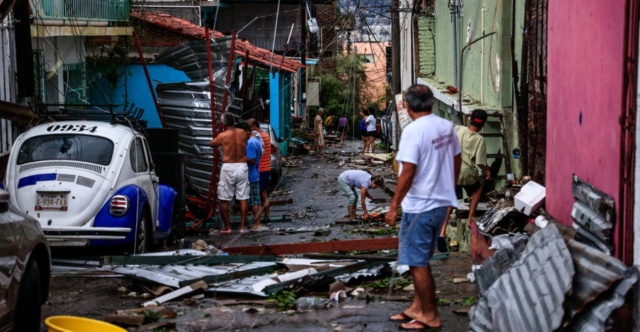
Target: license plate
column 51, row 201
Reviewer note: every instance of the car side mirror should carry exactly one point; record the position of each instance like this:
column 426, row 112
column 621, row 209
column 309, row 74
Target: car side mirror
column 279, row 139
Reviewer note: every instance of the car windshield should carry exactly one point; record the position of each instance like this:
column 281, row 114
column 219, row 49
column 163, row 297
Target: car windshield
column 91, row 149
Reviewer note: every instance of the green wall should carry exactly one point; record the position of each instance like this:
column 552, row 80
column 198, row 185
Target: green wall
column 487, row 63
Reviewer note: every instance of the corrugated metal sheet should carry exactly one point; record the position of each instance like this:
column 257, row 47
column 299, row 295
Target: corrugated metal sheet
column 187, row 106
column 529, row 296
column 191, row 58
column 555, row 283
column 596, row 273
column 176, row 275
column 256, row 278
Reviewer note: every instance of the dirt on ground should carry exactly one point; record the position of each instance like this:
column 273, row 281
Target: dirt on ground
column 314, row 214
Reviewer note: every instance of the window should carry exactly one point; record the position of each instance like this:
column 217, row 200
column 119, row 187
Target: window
column 137, row 156
column 367, row 58
column 91, row 149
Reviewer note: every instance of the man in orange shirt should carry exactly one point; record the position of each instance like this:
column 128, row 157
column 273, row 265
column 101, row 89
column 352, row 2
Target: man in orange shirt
column 264, row 168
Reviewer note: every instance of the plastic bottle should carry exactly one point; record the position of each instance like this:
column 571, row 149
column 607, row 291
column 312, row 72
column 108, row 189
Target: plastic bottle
column 310, row 303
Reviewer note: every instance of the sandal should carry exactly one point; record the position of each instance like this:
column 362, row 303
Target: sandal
column 401, row 317
column 416, row 325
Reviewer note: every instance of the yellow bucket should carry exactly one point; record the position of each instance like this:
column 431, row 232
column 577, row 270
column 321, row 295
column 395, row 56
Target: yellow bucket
column 79, row 324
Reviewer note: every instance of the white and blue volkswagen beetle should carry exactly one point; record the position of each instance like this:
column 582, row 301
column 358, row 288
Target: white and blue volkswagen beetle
column 89, row 183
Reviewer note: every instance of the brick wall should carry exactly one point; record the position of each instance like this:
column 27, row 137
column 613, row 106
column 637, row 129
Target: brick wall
column 326, row 15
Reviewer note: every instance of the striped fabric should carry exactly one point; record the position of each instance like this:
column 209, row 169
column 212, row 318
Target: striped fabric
column 265, row 160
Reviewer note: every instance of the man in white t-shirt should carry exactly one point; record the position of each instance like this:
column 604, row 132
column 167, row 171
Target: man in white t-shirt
column 351, row 180
column 429, row 157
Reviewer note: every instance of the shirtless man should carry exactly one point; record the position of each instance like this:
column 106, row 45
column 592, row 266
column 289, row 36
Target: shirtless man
column 234, row 174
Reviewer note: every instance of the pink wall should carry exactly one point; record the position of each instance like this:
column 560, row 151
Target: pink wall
column 585, row 62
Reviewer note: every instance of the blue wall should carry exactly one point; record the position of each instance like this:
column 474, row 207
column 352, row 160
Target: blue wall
column 135, row 89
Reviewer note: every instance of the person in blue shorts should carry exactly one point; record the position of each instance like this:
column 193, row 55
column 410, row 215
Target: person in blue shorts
column 429, row 160
column 254, row 152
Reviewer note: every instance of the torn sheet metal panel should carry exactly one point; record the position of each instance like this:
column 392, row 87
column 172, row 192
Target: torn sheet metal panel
column 183, row 259
column 176, row 275
column 357, row 266
column 593, row 318
column 597, row 273
column 592, row 222
column 493, row 268
column 272, row 283
column 501, row 219
column 191, row 58
column 530, row 295
column 186, row 107
column 509, row 248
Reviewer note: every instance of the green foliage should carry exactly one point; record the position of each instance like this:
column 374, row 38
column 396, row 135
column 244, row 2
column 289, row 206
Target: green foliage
column 340, row 87
column 395, row 283
column 469, row 301
column 286, row 299
column 112, row 61
column 443, row 301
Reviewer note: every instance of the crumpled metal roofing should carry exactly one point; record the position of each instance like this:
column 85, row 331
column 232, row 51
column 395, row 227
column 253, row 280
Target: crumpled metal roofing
column 529, row 296
column 187, row 106
column 502, row 218
column 532, row 295
column 596, row 273
column 256, row 54
column 191, row 58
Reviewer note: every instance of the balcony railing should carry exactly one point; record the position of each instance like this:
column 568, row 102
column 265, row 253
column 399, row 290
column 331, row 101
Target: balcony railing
column 82, row 10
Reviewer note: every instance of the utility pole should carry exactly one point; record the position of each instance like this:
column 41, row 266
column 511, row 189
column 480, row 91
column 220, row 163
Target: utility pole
column 395, row 47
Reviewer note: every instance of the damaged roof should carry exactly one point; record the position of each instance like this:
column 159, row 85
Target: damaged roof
column 185, row 28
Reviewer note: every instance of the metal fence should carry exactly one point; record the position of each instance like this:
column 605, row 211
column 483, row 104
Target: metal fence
column 93, row 10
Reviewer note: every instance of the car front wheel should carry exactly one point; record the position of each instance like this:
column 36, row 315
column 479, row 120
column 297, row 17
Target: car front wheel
column 28, row 309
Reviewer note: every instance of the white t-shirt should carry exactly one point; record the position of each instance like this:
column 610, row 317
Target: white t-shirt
column 429, row 142
column 356, row 178
column 371, row 123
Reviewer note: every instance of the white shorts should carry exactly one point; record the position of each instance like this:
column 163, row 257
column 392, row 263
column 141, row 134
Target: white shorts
column 234, row 180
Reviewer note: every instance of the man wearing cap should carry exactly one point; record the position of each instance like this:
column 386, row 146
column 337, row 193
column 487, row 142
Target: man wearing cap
column 474, row 168
column 319, row 136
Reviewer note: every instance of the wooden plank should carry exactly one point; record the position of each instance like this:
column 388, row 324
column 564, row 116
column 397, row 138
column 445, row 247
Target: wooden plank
column 315, row 247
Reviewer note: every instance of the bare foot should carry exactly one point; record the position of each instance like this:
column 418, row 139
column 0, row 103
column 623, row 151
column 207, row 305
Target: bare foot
column 225, row 232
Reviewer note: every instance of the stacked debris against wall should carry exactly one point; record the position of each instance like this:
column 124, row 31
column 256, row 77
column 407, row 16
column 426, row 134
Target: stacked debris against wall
column 552, row 283
column 559, row 278
column 187, row 106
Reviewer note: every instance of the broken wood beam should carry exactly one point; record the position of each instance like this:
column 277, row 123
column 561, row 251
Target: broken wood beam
column 315, row 247
column 187, row 290
column 287, row 201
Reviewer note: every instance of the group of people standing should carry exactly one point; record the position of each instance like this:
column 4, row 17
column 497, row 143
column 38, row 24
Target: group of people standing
column 245, row 171
column 368, row 130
